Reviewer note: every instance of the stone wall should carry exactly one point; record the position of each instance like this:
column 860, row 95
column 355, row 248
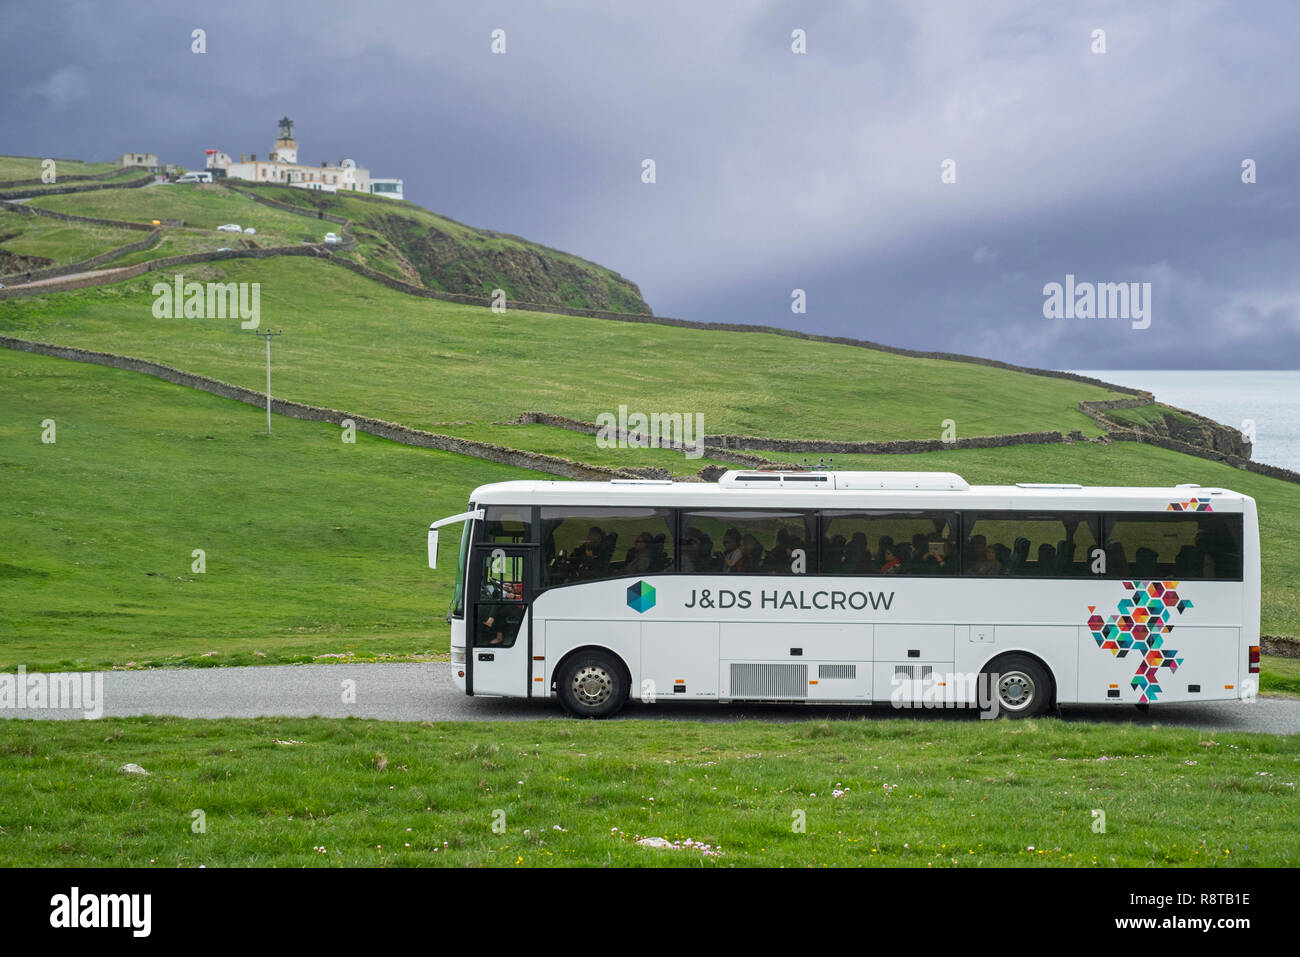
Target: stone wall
column 84, row 188
column 1282, row 646
column 130, row 272
column 37, row 181
column 715, row 444
column 87, row 264
column 287, row 207
column 27, row 210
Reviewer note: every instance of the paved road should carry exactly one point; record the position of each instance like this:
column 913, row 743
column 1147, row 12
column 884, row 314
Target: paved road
column 107, row 273
column 425, row 692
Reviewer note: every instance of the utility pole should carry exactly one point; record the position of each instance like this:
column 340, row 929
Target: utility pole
column 268, row 336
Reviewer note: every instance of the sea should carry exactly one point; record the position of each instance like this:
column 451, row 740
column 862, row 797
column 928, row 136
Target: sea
column 1271, row 400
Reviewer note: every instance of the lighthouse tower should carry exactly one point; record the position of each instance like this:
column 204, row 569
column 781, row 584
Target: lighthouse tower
column 286, row 147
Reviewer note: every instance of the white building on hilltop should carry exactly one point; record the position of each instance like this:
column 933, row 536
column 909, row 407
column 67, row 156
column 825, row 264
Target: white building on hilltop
column 282, row 167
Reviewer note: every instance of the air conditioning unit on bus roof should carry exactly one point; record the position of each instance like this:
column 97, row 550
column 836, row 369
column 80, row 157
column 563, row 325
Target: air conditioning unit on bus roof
column 894, row 481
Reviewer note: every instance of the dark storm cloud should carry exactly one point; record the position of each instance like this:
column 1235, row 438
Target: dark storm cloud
column 775, row 171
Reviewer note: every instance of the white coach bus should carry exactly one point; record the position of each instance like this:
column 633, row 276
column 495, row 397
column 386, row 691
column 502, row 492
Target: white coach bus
column 912, row 588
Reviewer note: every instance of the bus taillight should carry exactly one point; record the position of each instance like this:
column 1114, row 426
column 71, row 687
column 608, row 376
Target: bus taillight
column 1254, row 659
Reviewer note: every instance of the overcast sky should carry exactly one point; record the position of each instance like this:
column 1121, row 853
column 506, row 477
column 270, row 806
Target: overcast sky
column 775, row 170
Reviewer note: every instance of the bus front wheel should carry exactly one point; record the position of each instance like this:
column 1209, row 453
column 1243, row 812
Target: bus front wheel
column 1021, row 686
column 592, row 685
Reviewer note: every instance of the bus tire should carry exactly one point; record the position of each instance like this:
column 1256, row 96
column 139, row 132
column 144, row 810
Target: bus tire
column 1021, row 686
column 593, row 684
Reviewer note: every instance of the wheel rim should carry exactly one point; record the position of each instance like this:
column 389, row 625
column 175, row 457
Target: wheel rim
column 1016, row 691
column 592, row 686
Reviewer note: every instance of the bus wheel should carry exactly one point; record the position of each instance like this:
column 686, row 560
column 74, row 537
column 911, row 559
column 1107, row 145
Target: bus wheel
column 1021, row 686
column 592, row 685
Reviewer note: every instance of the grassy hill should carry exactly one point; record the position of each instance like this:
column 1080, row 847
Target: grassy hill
column 397, row 238
column 29, row 167
column 422, row 247
column 350, row 343
column 31, row 242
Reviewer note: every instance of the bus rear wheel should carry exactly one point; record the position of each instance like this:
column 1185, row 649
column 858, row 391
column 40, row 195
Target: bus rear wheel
column 592, row 685
column 1021, row 686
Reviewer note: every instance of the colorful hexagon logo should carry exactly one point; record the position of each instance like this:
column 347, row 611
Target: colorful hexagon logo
column 641, row 597
column 1138, row 626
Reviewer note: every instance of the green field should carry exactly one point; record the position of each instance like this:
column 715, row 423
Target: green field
column 312, row 546
column 199, row 205
column 466, row 363
column 29, row 167
column 61, row 242
column 396, row 238
column 935, row 793
column 119, row 176
column 1280, row 676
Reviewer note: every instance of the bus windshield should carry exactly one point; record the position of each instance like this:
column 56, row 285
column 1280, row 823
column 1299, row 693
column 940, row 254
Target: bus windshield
column 458, row 597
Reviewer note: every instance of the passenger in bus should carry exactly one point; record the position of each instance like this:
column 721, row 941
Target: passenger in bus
column 892, row 562
column 1144, row 563
column 989, row 564
column 640, row 557
column 780, row 558
column 1046, row 560
column 1116, row 563
column 751, row 554
column 920, row 552
column 505, row 616
column 937, row 561
column 589, row 558
column 695, row 548
column 834, row 555
column 731, row 554
column 857, row 555
column 1019, row 557
column 975, row 548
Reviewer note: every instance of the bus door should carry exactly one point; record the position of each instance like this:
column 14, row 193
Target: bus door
column 499, row 626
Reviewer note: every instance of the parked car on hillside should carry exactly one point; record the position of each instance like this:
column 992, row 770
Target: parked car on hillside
column 230, row 228
column 196, row 177
column 250, row 230
column 332, row 238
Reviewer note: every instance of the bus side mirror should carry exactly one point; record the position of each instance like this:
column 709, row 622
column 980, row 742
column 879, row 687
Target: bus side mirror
column 433, row 548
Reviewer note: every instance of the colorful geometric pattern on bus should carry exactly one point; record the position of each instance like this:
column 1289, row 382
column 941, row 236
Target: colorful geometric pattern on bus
column 641, row 597
column 1140, row 625
column 1195, row 505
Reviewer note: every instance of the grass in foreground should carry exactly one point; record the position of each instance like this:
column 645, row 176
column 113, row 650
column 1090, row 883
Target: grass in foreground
column 329, row 792
column 312, row 546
